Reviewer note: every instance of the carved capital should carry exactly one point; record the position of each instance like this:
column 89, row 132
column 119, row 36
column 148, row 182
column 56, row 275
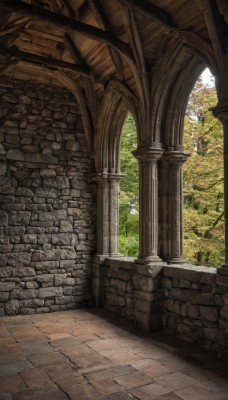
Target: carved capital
column 148, row 154
column 107, row 177
column 221, row 111
column 176, row 158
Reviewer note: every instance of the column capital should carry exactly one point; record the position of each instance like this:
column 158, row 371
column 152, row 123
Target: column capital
column 101, row 176
column 221, row 111
column 148, row 153
column 176, row 157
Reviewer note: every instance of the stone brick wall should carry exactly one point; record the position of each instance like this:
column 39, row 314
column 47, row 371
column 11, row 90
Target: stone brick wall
column 196, row 305
column 119, row 293
column 47, row 207
column 189, row 302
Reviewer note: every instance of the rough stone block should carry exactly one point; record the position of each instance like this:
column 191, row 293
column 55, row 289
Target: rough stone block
column 202, row 299
column 55, row 215
column 6, row 286
column 209, row 313
column 66, row 226
column 143, row 283
column 28, row 294
column 15, row 154
column 12, row 307
column 23, row 191
column 59, row 279
column 222, row 280
column 50, row 292
column 180, row 294
column 62, row 239
column 3, row 218
column 46, row 279
column 192, row 310
column 59, row 182
column 19, row 217
column 41, row 255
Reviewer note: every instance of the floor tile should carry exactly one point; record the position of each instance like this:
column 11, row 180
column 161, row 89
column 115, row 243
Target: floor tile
column 36, row 378
column 60, row 371
column 175, row 380
column 46, row 359
column 149, row 392
column 11, row 383
column 106, row 386
column 199, row 392
column 95, row 354
column 82, row 392
column 133, row 380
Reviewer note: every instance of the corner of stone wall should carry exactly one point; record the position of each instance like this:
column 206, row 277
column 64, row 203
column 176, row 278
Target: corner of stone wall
column 148, row 296
column 99, row 275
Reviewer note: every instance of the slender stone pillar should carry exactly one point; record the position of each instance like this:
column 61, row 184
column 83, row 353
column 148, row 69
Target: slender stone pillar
column 107, row 230
column 114, row 214
column 175, row 161
column 221, row 112
column 102, row 215
column 107, row 214
column 148, row 204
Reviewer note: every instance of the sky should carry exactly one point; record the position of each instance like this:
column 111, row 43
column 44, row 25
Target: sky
column 207, row 77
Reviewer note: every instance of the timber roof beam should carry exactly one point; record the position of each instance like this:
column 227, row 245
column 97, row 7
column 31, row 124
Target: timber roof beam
column 148, row 10
column 45, row 61
column 69, row 23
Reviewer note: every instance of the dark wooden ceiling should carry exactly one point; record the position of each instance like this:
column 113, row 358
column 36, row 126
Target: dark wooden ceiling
column 89, row 38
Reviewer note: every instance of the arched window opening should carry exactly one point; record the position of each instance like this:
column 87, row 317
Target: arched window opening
column 128, row 198
column 203, row 177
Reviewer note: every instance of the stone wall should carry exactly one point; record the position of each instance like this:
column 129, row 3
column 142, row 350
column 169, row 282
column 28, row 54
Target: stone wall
column 189, row 302
column 196, row 305
column 130, row 289
column 47, row 208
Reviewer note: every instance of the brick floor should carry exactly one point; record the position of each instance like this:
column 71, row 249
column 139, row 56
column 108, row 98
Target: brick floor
column 96, row 355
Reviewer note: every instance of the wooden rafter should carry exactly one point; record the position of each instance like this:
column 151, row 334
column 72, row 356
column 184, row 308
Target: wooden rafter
column 88, row 84
column 69, row 23
column 148, row 10
column 65, row 4
column 48, row 61
column 8, row 66
column 99, row 10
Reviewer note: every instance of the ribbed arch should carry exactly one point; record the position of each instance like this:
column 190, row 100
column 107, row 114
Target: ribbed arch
column 116, row 103
column 175, row 73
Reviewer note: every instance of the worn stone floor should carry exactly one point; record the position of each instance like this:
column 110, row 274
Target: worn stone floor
column 94, row 354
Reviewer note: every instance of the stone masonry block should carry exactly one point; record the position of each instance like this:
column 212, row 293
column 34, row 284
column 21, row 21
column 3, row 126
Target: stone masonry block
column 209, row 313
column 50, row 292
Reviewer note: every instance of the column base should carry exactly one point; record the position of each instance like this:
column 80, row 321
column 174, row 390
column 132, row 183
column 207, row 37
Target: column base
column 109, row 255
column 149, row 260
column 177, row 260
column 223, row 270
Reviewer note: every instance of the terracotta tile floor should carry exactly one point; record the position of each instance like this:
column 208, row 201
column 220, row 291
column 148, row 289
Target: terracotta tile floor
column 94, row 354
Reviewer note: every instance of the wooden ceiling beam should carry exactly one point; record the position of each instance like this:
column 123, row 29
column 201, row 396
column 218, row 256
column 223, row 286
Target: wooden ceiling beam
column 69, row 23
column 47, row 61
column 98, row 9
column 148, row 10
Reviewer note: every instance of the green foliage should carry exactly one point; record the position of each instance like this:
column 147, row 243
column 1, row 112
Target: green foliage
column 128, row 200
column 203, row 181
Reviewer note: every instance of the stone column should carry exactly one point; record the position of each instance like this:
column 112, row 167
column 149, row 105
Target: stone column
column 175, row 161
column 107, row 230
column 148, row 204
column 221, row 112
column 102, row 215
column 108, row 214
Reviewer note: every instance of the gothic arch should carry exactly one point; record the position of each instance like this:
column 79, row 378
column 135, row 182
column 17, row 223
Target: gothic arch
column 117, row 101
column 176, row 71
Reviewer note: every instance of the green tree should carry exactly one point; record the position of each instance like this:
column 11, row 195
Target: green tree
column 203, row 180
column 128, row 199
